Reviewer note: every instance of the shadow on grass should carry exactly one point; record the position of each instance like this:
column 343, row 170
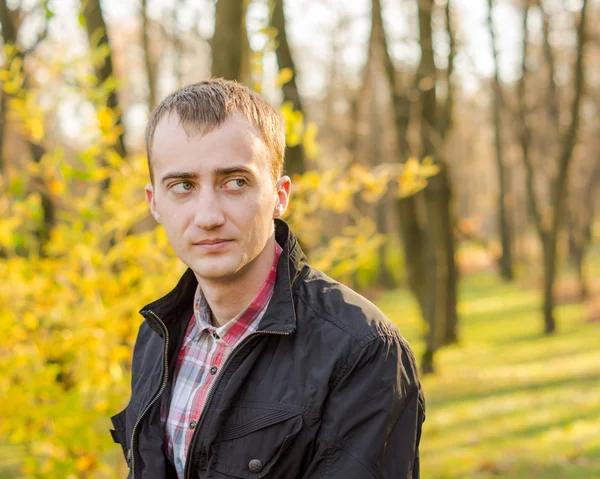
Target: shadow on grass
column 515, row 434
column 542, row 356
column 511, row 388
column 510, row 314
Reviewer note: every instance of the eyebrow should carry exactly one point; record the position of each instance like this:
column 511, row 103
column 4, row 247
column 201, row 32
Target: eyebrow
column 180, row 175
column 185, row 175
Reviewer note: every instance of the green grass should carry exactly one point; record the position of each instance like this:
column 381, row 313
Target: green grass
column 508, row 401
column 10, row 460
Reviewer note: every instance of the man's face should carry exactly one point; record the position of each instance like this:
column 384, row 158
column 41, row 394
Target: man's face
column 214, row 195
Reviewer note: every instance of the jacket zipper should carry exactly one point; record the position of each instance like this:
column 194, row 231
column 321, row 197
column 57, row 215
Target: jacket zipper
column 158, row 395
column 186, row 474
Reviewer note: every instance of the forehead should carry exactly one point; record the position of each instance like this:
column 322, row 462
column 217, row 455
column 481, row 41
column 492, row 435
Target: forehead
column 195, row 146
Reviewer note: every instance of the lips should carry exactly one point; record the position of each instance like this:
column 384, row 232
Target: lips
column 213, row 245
column 209, row 242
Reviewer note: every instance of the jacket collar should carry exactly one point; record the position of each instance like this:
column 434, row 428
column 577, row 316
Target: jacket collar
column 280, row 316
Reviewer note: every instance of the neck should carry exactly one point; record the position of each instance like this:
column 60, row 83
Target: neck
column 228, row 298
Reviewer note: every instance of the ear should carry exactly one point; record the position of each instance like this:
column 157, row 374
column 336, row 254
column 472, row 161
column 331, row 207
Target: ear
column 284, row 190
column 152, row 202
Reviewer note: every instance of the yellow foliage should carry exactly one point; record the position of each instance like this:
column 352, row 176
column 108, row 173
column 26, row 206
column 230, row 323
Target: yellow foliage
column 413, row 177
column 294, row 123
column 285, row 75
column 311, row 147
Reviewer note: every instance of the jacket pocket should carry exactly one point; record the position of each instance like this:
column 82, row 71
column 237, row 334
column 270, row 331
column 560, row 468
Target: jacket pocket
column 253, row 445
column 119, row 434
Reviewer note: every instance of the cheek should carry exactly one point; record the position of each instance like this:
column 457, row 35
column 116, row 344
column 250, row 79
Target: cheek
column 174, row 220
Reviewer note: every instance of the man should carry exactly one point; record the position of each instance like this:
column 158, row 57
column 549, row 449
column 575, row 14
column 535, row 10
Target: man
column 255, row 365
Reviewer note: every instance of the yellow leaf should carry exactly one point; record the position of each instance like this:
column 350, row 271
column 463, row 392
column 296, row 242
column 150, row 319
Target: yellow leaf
column 105, row 118
column 285, row 75
column 6, row 229
column 36, row 128
column 30, row 321
column 311, row 147
column 102, row 406
column 429, row 171
column 56, row 187
column 84, row 463
column 115, row 371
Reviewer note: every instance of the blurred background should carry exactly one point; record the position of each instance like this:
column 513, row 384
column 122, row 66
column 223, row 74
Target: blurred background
column 445, row 160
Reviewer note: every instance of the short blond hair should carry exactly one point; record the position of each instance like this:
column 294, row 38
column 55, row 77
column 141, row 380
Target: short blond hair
column 208, row 104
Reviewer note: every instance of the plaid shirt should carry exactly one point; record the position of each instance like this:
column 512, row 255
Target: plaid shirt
column 205, row 349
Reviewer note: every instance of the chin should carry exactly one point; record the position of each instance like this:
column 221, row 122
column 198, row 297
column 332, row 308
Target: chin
column 216, row 270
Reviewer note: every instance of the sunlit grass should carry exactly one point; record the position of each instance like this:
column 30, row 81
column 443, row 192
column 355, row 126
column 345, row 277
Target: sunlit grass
column 508, row 401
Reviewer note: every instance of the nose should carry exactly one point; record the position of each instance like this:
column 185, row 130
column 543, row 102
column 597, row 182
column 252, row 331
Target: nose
column 209, row 214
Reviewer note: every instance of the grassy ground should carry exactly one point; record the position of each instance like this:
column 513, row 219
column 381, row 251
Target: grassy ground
column 507, row 402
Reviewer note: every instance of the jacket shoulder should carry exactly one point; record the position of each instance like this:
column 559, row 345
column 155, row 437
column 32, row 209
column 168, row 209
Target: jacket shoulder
column 351, row 313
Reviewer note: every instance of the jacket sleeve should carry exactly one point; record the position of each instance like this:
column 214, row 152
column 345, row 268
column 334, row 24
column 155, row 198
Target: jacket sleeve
column 371, row 424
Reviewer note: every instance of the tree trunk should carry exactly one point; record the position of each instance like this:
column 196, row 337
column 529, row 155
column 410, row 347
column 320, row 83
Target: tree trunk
column 435, row 271
column 549, row 256
column 581, row 219
column 295, row 161
column 9, row 35
column 578, row 242
column 3, row 110
column 385, row 277
column 177, row 45
column 441, row 273
column 49, row 220
column 424, row 219
column 554, row 113
column 246, row 68
column 227, row 42
column 95, row 26
column 451, row 332
column 559, row 190
column 505, row 261
column 548, row 233
column 149, row 61
column 525, row 129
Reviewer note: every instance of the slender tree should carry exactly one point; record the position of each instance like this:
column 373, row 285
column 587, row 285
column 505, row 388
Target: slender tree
column 97, row 33
column 505, row 261
column 552, row 92
column 447, row 112
column 295, row 161
column 10, row 21
column 581, row 217
column 149, row 60
column 412, row 233
column 548, row 228
column 426, row 219
column 227, row 44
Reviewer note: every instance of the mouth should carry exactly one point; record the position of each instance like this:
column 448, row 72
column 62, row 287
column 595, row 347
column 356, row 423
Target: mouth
column 213, row 244
column 209, row 242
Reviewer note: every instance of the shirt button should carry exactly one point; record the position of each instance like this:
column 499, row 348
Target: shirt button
column 193, row 425
column 215, row 335
column 213, row 370
column 255, row 465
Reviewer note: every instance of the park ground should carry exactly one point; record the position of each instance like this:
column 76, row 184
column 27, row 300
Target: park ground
column 507, row 401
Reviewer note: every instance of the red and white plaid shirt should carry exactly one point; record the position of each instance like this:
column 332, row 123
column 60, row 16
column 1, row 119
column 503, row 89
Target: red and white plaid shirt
column 205, row 349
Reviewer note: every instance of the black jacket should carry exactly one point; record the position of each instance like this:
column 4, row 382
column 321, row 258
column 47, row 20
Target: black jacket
column 326, row 388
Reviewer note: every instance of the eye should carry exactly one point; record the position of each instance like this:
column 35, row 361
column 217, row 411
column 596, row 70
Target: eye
column 235, row 184
column 182, row 187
